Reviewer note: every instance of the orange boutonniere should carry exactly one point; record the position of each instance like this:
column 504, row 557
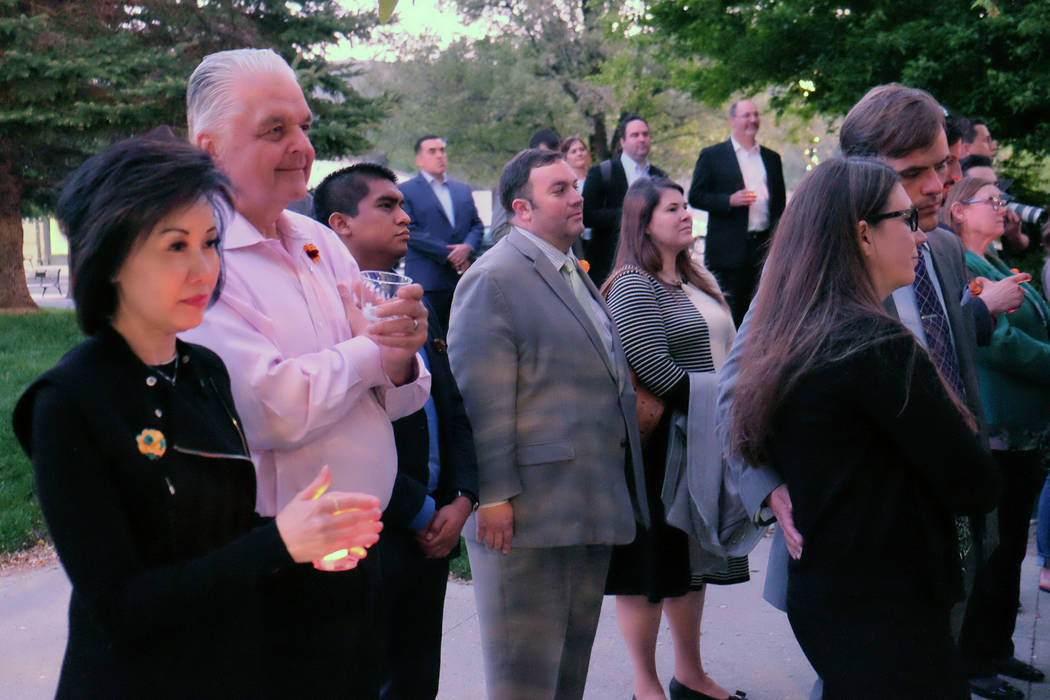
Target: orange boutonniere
column 585, row 265
column 151, row 443
column 439, row 345
column 312, row 252
column 976, row 288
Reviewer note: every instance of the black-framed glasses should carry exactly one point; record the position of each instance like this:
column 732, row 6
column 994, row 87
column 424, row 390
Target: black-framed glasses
column 911, row 217
column 996, row 202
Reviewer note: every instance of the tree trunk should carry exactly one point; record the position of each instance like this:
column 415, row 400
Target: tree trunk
column 599, row 138
column 14, row 293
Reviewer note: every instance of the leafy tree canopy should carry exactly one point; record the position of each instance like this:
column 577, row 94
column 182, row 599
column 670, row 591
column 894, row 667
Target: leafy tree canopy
column 75, row 76
column 991, row 59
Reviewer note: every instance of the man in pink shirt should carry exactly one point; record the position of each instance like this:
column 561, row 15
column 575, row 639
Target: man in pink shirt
column 314, row 381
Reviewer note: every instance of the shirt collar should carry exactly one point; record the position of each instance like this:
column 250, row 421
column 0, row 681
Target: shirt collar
column 431, row 179
column 241, row 233
column 556, row 257
column 738, row 147
column 626, row 160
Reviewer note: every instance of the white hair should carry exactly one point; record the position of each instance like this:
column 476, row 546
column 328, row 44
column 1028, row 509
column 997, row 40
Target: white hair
column 210, row 94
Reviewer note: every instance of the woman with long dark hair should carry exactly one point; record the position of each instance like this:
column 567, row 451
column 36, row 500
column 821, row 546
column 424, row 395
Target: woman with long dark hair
column 877, row 452
column 142, row 470
column 673, row 321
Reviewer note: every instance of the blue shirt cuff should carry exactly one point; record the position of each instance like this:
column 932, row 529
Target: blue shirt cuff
column 425, row 514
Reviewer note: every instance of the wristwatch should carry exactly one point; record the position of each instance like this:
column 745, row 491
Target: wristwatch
column 470, row 497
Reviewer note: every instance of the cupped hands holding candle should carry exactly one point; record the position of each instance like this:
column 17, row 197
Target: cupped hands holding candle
column 317, row 523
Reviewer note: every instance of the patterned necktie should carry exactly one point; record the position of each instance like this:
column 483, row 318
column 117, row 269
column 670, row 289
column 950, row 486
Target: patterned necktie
column 939, row 344
column 935, row 326
column 579, row 290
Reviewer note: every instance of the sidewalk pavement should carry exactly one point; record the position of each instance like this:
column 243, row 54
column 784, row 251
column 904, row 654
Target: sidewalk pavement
column 746, row 644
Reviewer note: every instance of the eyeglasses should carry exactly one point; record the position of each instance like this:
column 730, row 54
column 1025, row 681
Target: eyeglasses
column 997, row 202
column 911, row 217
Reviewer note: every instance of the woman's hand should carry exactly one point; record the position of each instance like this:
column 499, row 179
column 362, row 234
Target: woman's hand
column 312, row 526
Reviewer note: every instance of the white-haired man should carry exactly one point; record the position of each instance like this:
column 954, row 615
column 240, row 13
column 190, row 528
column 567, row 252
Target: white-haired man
column 314, row 381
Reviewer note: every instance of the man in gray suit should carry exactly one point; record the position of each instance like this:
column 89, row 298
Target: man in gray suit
column 548, row 392
column 904, row 128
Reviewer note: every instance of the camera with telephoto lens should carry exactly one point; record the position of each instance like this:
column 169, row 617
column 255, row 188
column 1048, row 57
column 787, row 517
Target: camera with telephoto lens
column 1029, row 213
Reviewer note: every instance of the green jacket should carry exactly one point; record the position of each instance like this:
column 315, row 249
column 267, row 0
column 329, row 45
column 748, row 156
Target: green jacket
column 1014, row 368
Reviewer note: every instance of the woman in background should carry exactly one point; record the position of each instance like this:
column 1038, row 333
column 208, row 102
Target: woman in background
column 1014, row 374
column 141, row 468
column 578, row 158
column 672, row 320
column 878, row 454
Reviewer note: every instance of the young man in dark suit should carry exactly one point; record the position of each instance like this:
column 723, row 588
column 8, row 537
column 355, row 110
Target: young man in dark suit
column 445, row 228
column 741, row 186
column 604, row 189
column 436, row 484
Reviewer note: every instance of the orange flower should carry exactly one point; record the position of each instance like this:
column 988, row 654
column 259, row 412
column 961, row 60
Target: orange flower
column 312, row 252
column 976, row 288
column 151, row 443
column 585, row 265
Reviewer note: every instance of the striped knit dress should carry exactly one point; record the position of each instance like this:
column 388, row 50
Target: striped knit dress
column 667, row 332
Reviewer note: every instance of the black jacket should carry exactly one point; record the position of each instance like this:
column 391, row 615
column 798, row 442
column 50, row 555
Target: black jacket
column 602, row 211
column 717, row 176
column 163, row 546
column 459, row 466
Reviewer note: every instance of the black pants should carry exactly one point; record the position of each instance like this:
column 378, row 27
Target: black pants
column 320, row 628
column 988, row 627
column 739, row 283
column 413, row 607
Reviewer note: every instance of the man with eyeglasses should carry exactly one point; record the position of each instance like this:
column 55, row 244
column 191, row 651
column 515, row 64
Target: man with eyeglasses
column 904, row 128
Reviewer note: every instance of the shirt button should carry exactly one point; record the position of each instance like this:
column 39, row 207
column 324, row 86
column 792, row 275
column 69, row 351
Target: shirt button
column 151, row 380
column 158, row 413
column 185, row 359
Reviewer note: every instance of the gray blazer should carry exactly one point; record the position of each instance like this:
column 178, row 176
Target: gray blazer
column 554, row 416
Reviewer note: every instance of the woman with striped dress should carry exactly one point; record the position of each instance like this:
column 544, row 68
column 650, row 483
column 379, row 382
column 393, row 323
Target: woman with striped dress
column 672, row 320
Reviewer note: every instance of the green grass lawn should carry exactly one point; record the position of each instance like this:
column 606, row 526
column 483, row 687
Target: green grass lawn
column 30, row 344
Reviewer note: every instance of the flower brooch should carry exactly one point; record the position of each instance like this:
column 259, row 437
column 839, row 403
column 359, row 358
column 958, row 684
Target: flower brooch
column 312, row 252
column 152, row 443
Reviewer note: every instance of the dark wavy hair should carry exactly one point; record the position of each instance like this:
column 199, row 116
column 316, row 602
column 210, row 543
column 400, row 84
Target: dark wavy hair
column 635, row 247
column 116, row 198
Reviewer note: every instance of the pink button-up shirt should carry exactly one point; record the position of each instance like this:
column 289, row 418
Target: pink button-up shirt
column 309, row 393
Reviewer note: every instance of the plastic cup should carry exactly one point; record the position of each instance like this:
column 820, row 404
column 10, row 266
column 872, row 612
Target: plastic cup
column 378, row 287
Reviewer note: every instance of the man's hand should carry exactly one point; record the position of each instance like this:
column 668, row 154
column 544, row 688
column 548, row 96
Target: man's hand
column 400, row 331
column 780, row 503
column 1004, row 295
column 442, row 533
column 459, row 258
column 742, row 198
column 496, row 526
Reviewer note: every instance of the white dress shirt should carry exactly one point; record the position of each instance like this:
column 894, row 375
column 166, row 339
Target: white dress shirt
column 443, row 194
column 633, row 169
column 754, row 172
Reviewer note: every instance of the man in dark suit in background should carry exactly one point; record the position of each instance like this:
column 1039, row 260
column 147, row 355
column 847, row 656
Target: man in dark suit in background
column 604, row 189
column 445, row 228
column 741, row 186
column 437, row 475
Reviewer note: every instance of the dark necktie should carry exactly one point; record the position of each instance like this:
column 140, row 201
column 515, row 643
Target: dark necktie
column 939, row 344
column 935, row 326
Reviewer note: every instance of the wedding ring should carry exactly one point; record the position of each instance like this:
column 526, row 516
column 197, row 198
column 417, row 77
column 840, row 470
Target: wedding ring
column 415, row 325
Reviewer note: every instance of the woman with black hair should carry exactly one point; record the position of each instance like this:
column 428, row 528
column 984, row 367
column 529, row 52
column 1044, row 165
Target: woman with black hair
column 878, row 453
column 141, row 467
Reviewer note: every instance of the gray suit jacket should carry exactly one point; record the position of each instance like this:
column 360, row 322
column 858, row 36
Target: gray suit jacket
column 756, row 483
column 554, row 416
